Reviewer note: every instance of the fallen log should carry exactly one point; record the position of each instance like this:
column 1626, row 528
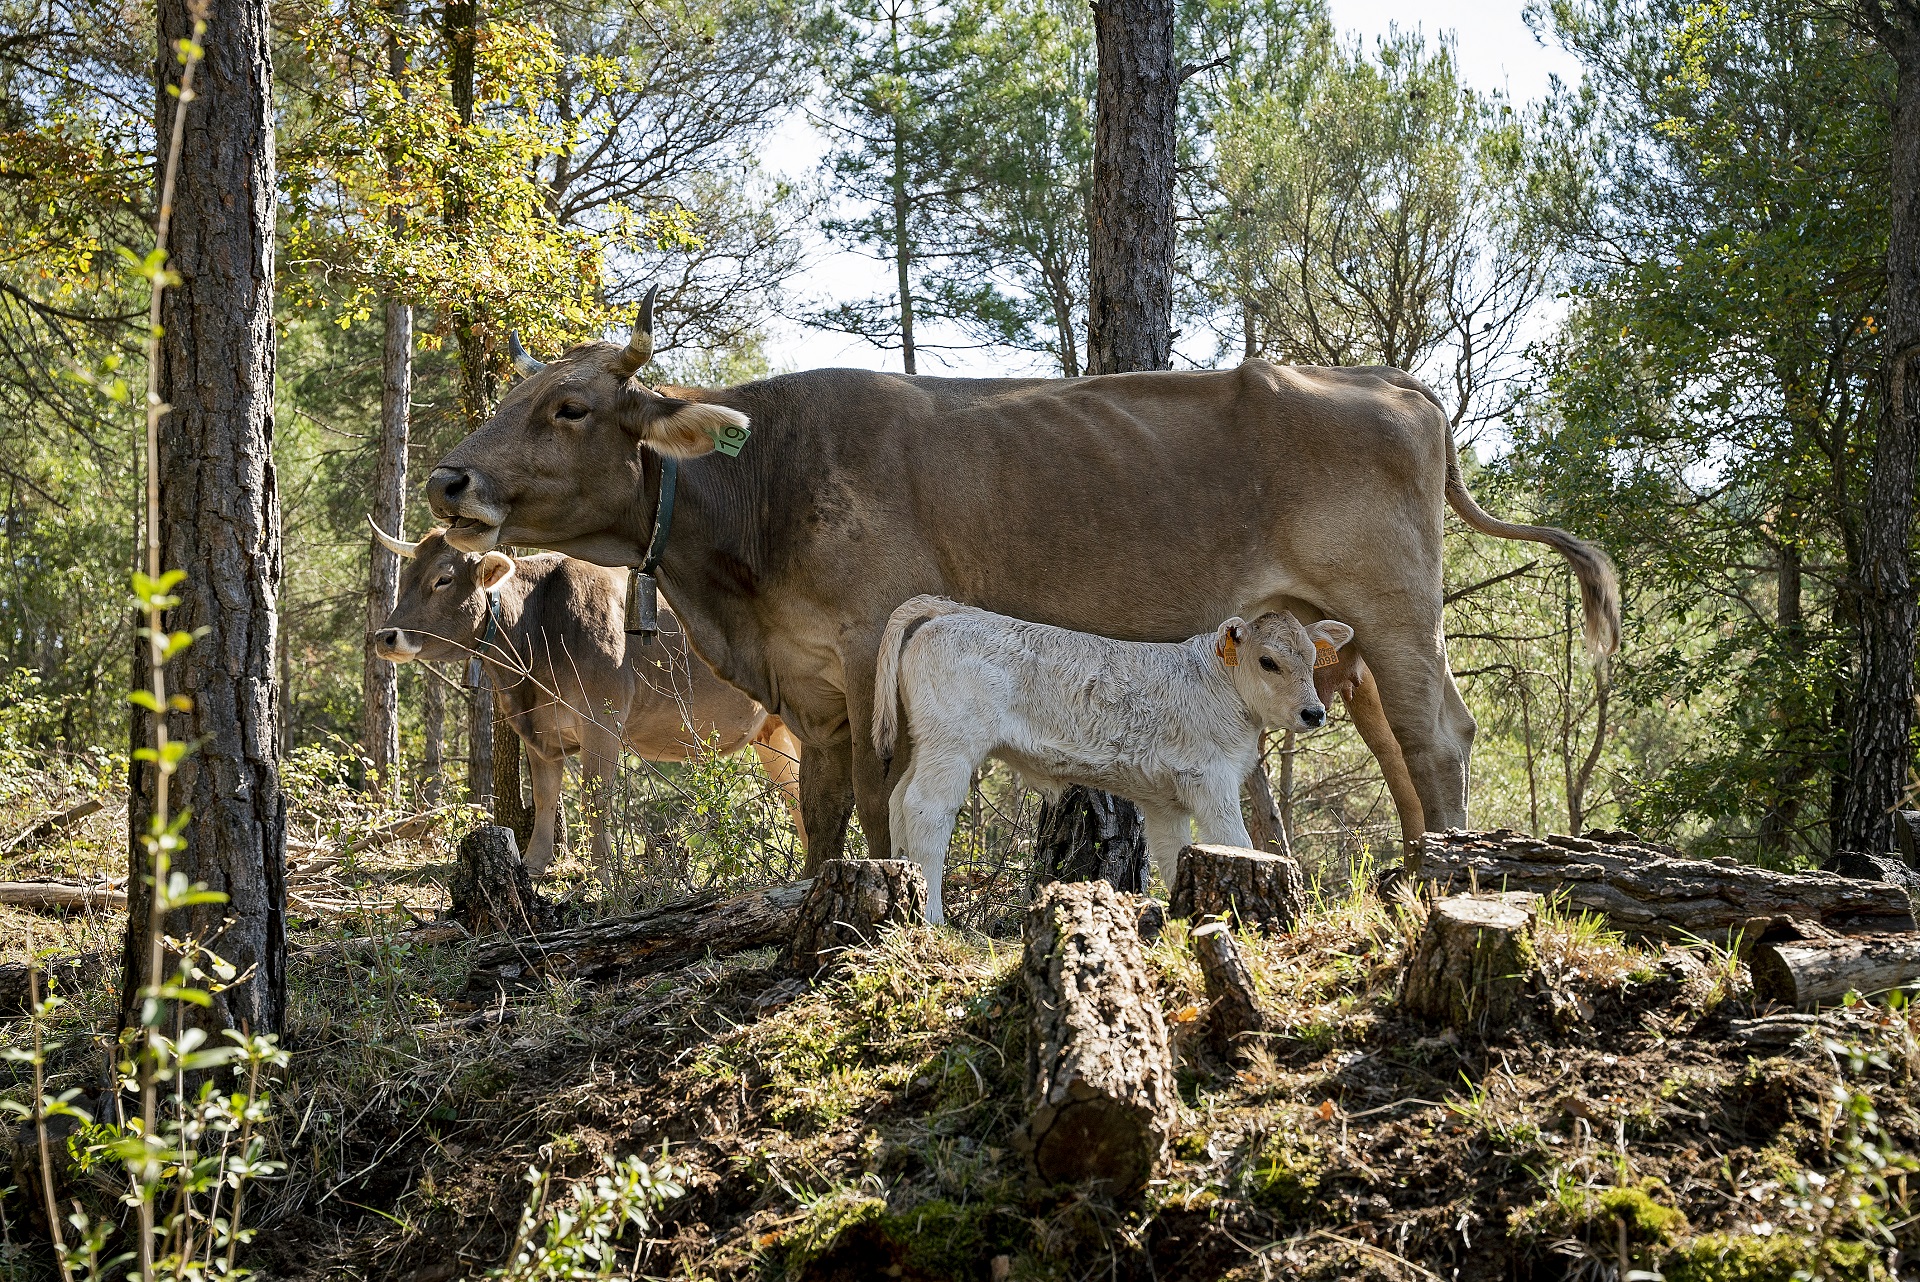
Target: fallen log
column 1809, row 973
column 849, row 901
column 641, row 941
column 94, row 897
column 1234, row 1015
column 1472, row 965
column 1649, row 890
column 352, row 949
column 1100, row 1081
column 48, row 826
column 69, row 974
column 1256, row 889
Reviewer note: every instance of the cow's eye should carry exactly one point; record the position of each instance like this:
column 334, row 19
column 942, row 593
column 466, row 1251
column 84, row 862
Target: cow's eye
column 1269, row 664
column 444, row 581
column 572, row 412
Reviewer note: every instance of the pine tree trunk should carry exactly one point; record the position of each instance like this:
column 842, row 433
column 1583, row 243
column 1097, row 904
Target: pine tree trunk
column 1130, row 287
column 220, row 523
column 433, row 730
column 480, row 720
column 1100, row 1079
column 1131, row 215
column 510, row 808
column 1264, row 822
column 380, row 680
column 1878, row 748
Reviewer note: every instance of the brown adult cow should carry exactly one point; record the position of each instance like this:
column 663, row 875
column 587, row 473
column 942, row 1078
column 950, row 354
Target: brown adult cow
column 1141, row 506
column 565, row 676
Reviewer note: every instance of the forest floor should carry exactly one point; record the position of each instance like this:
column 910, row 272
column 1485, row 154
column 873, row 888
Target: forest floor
column 1641, row 1118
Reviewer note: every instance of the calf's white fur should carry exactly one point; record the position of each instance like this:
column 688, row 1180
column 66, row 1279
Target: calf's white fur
column 1172, row 727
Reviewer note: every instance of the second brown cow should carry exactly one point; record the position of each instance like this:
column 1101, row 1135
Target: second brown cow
column 568, row 679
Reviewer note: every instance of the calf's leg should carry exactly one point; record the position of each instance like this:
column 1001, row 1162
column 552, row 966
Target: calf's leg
column 1217, row 817
column 1167, row 833
column 924, row 807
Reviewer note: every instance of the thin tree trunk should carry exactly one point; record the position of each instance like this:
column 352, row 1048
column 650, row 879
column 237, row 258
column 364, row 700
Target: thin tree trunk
column 510, row 808
column 480, row 719
column 1878, row 741
column 1131, row 232
column 1130, row 244
column 1776, row 825
column 433, row 722
column 902, row 250
column 220, row 523
column 380, row 680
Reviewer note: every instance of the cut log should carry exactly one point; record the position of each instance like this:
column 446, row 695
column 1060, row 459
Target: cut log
column 1100, row 1081
column 1256, row 889
column 97, row 897
column 1472, row 964
column 1810, row 973
column 849, row 901
column 70, row 976
column 363, row 946
column 491, row 891
column 1234, row 1016
column 48, row 826
column 1650, row 890
column 641, row 941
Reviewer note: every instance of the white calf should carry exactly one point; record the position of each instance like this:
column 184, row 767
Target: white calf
column 1172, row 727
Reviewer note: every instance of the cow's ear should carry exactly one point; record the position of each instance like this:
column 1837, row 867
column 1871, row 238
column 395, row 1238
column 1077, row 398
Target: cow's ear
column 1227, row 638
column 494, row 569
column 681, row 429
column 1331, row 631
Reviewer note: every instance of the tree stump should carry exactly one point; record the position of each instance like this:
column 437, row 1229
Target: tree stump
column 1810, row 973
column 1088, row 835
column 1471, row 967
column 1906, row 836
column 849, row 901
column 491, row 891
column 1234, row 1015
column 1257, row 889
column 1099, row 1076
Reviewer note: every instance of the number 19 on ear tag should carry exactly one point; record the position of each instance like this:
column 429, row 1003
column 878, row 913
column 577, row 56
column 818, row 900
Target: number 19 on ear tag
column 729, row 437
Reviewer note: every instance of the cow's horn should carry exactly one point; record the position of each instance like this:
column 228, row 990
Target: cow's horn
column 639, row 349
column 399, row 547
column 521, row 361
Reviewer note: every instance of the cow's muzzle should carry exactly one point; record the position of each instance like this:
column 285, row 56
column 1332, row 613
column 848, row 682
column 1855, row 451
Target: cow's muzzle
column 395, row 646
column 473, row 524
column 1313, row 716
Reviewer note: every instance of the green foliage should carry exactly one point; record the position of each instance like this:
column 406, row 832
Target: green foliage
column 580, row 1239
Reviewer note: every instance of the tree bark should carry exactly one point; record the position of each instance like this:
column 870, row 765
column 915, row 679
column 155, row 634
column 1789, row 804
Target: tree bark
column 1100, row 1080
column 1651, row 891
column 1472, row 965
column 1264, row 823
column 480, row 719
column 220, row 523
column 1807, row 974
column 652, row 940
column 1879, row 744
column 1234, row 1016
column 1256, row 889
column 1088, row 835
column 491, row 891
column 380, row 680
column 849, row 901
column 1131, row 215
column 510, row 808
column 433, row 730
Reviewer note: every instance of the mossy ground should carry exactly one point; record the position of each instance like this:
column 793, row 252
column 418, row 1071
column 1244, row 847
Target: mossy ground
column 866, row 1125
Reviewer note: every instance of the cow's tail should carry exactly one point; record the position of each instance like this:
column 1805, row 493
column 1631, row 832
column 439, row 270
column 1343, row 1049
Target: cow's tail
column 886, row 674
column 1599, row 585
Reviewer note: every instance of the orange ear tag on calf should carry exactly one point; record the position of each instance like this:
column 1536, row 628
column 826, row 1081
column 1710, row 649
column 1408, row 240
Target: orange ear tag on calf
column 1324, row 655
column 1228, row 651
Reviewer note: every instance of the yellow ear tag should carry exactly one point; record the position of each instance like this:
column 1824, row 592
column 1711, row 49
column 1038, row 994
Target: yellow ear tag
column 1228, row 651
column 1324, row 655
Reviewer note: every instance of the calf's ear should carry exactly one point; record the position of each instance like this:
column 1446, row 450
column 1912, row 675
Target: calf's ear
column 1227, row 638
column 677, row 428
column 495, row 568
column 1332, row 632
